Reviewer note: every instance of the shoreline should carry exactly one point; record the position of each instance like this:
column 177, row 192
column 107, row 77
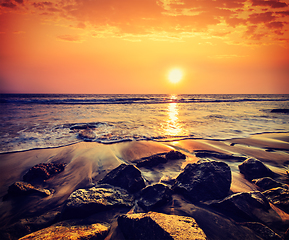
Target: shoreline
column 88, row 162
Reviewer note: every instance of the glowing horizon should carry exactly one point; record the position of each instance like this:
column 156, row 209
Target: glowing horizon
column 69, row 46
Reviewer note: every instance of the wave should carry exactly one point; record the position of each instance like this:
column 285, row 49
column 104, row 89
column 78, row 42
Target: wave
column 70, row 99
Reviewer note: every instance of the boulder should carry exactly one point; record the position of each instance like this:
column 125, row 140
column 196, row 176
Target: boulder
column 246, row 206
column 253, row 168
column 175, row 155
column 204, row 180
column 86, row 134
column 262, row 231
column 214, row 154
column 125, row 176
column 43, row 171
column 155, row 226
column 65, row 230
column 154, row 195
column 278, row 196
column 24, row 188
column 267, row 183
column 84, row 202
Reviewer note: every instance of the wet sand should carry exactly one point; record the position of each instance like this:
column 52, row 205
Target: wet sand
column 88, row 162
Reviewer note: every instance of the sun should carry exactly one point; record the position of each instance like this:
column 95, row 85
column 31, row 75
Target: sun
column 175, row 75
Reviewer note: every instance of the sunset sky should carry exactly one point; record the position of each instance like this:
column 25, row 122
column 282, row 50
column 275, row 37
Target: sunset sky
column 130, row 46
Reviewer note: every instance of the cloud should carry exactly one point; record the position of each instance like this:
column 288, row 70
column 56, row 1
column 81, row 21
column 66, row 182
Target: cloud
column 70, row 38
column 273, row 4
column 261, row 17
column 8, row 4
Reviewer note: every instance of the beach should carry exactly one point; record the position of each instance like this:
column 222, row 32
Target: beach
column 88, row 162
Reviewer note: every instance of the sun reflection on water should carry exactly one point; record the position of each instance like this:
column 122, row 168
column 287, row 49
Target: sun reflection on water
column 173, row 126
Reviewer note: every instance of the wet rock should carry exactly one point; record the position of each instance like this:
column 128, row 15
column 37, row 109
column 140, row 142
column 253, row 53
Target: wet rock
column 267, row 183
column 175, row 155
column 24, row 188
column 278, row 196
column 151, row 161
column 86, row 134
column 43, row 171
column 262, row 231
column 125, row 176
column 246, row 206
column 204, row 180
column 155, row 226
column 154, row 195
column 84, row 126
column 85, row 202
column 213, row 154
column 253, row 168
column 65, row 230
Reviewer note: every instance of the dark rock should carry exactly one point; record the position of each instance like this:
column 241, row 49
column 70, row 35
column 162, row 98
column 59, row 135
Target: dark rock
column 154, row 196
column 278, row 196
column 175, row 155
column 213, row 154
column 80, row 126
column 65, row 230
column 204, row 181
column 280, row 110
column 156, row 226
column 262, row 231
column 43, row 171
column 243, row 206
column 24, row 188
column 85, row 202
column 253, row 168
column 151, row 161
column 125, row 176
column 267, row 183
column 86, row 134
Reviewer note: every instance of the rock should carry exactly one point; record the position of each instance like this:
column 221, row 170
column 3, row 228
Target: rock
column 280, row 110
column 262, row 231
column 175, row 155
column 84, row 202
column 151, row 161
column 24, row 188
column 243, row 206
column 43, row 171
column 154, row 195
column 213, row 154
column 64, row 230
column 155, row 226
column 253, row 168
column 204, row 181
column 125, row 176
column 84, row 126
column 86, row 134
column 278, row 196
column 267, row 183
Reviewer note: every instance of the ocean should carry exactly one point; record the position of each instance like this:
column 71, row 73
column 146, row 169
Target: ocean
column 29, row 121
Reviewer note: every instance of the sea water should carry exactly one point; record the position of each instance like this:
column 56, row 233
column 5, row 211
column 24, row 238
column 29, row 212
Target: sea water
column 29, row 121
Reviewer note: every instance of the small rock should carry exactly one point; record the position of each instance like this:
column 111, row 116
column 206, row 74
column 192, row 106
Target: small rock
column 280, row 110
column 125, row 176
column 24, row 188
column 278, row 196
column 262, row 231
column 154, row 196
column 86, row 134
column 43, row 171
column 156, row 226
column 151, row 161
column 213, row 154
column 267, row 183
column 244, row 205
column 64, row 230
column 253, row 168
column 204, row 181
column 85, row 202
column 175, row 155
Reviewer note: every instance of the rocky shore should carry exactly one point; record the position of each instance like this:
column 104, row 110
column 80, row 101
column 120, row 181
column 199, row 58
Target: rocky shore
column 190, row 189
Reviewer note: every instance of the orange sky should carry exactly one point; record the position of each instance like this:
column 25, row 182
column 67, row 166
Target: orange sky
column 129, row 46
